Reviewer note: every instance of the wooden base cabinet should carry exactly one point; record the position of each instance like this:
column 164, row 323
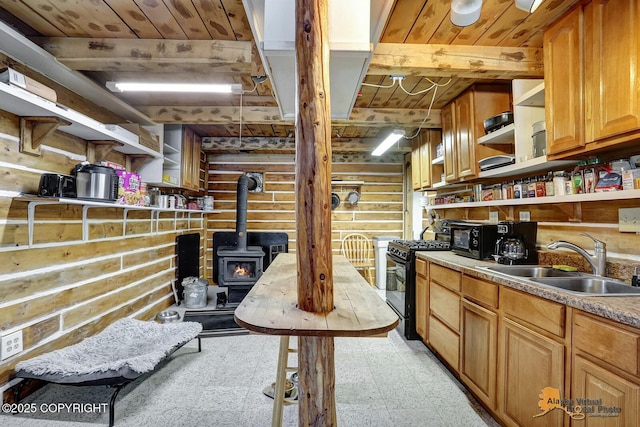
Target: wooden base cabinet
column 422, row 298
column 529, row 362
column 478, row 351
column 606, row 365
column 593, row 382
column 444, row 313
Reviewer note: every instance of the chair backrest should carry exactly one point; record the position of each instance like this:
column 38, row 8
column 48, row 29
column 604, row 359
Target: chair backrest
column 357, row 247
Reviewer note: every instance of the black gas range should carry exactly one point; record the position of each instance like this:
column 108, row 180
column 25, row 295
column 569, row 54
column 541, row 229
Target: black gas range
column 401, row 292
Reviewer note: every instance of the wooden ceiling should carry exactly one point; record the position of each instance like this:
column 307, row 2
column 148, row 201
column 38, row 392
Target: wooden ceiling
column 169, row 39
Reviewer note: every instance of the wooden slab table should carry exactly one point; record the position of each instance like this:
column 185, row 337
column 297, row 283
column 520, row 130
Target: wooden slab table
column 271, row 305
column 271, row 308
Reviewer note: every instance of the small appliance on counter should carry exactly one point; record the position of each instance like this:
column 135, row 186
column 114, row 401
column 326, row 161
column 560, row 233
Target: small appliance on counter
column 516, row 243
column 57, row 185
column 97, row 183
column 473, row 240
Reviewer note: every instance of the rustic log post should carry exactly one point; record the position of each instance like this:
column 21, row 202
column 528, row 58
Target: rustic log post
column 313, row 209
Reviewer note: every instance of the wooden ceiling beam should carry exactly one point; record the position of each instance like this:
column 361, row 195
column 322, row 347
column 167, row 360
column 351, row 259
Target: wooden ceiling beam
column 474, row 62
column 150, row 55
column 223, row 145
column 220, row 115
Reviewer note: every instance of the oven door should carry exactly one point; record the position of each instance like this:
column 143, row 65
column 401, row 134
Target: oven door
column 396, row 289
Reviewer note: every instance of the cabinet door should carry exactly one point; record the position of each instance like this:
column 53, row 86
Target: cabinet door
column 187, row 158
column 465, row 140
column 563, row 83
column 416, row 167
column 425, row 159
column 449, row 142
column 421, row 306
column 594, row 382
column 197, row 150
column 478, row 351
column 613, row 40
column 529, row 362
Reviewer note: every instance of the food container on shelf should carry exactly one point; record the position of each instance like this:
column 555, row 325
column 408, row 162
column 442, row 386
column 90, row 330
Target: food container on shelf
column 539, row 139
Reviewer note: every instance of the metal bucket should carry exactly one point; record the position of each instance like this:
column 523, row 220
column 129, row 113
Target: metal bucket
column 195, row 295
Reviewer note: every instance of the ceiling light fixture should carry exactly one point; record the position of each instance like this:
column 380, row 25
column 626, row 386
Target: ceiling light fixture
column 465, row 12
column 173, row 87
column 393, row 137
column 528, row 5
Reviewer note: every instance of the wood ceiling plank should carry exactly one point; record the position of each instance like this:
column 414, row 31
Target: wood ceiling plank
column 238, row 19
column 488, row 15
column 369, row 89
column 54, row 14
column 149, row 55
column 95, row 18
column 188, row 18
column 536, row 22
column 134, row 18
column 430, row 19
column 456, row 61
column 383, row 117
column 37, row 19
column 162, row 19
column 401, row 20
column 215, row 19
column 446, row 32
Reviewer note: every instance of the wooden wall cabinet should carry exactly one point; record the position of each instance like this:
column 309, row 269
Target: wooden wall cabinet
column 591, row 103
column 422, row 298
column 443, row 324
column 423, row 172
column 463, row 123
column 182, row 148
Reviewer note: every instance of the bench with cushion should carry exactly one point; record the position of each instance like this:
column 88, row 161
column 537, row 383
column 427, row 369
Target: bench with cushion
column 122, row 352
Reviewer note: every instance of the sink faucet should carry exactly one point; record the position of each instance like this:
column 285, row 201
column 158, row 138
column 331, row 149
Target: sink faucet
column 599, row 259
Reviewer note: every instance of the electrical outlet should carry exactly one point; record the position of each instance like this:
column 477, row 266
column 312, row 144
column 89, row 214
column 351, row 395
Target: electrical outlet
column 629, row 220
column 11, row 344
column 525, row 216
column 493, row 217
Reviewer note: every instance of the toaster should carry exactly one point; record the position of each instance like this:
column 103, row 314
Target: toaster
column 57, row 185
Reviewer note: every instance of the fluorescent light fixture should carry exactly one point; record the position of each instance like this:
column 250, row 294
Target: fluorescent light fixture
column 465, row 12
column 393, row 137
column 528, row 5
column 173, row 87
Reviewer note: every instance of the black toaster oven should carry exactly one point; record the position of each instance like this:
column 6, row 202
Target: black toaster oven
column 57, row 185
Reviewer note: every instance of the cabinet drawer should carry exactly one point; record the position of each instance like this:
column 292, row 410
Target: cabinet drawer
column 544, row 314
column 444, row 341
column 607, row 342
column 445, row 276
column 421, row 267
column 480, row 291
column 445, row 304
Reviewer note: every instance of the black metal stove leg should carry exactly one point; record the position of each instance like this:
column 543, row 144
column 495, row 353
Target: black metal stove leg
column 112, row 403
column 17, row 389
column 199, row 344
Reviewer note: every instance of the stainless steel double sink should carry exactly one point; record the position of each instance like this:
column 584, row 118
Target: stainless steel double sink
column 571, row 282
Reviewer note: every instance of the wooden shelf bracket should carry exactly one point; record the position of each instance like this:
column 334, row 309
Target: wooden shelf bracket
column 98, row 150
column 34, row 130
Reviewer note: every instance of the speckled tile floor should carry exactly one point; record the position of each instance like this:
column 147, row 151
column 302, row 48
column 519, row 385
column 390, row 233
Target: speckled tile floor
column 379, row 382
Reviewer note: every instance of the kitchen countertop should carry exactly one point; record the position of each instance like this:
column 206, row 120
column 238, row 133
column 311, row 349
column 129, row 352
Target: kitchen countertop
column 623, row 309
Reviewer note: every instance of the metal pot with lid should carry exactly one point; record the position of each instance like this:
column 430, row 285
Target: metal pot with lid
column 95, row 182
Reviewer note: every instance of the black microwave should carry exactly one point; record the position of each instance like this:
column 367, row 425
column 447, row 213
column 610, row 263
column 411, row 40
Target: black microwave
column 474, row 240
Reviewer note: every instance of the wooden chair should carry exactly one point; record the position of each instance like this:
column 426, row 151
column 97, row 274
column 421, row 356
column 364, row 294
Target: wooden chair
column 358, row 249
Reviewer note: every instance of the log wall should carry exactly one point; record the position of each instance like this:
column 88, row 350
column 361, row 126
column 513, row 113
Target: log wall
column 62, row 288
column 379, row 211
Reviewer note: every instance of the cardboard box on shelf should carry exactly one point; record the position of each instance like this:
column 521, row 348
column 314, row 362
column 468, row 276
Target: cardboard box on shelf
column 129, row 189
column 13, row 77
column 124, row 133
column 146, row 138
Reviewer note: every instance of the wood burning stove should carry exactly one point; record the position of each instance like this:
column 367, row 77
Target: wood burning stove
column 240, row 266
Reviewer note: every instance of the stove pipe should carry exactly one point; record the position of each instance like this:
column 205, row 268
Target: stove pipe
column 245, row 183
